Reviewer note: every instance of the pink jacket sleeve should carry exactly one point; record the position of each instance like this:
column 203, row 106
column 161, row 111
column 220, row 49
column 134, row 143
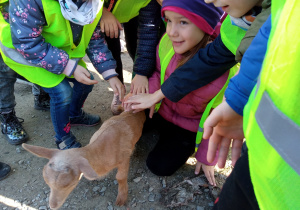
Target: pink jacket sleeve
column 201, row 154
column 154, row 80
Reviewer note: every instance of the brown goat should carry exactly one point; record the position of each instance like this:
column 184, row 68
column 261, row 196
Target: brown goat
column 110, row 147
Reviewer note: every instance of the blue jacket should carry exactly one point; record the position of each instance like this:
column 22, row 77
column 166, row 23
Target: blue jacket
column 240, row 86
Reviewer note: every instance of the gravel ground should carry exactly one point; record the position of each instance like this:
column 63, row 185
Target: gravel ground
column 26, row 189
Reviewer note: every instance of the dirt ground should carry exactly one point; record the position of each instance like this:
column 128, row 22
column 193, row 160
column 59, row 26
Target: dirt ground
column 25, row 188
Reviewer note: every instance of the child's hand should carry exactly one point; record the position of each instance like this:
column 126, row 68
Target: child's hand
column 83, row 76
column 139, row 84
column 209, row 172
column 117, row 86
column 127, row 106
column 109, row 24
column 222, row 125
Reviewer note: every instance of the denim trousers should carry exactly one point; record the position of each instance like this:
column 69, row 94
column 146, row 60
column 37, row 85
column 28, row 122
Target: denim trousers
column 7, row 82
column 66, row 101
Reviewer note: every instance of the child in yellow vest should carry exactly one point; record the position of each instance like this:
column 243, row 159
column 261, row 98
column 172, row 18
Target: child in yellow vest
column 50, row 39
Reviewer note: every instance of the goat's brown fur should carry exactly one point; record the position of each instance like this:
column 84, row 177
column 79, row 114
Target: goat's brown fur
column 110, row 147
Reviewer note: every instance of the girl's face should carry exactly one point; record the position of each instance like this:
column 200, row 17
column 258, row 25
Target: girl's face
column 182, row 32
column 160, row 2
column 235, row 8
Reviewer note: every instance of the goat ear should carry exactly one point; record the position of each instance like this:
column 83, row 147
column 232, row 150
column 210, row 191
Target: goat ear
column 87, row 170
column 40, row 151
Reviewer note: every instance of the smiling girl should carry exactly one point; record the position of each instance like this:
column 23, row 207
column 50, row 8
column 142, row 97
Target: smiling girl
column 190, row 26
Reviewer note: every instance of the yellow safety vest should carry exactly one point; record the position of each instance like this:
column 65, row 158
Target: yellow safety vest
column 166, row 53
column 231, row 35
column 125, row 10
column 272, row 115
column 58, row 33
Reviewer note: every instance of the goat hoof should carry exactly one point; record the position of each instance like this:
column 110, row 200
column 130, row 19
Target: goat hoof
column 121, row 201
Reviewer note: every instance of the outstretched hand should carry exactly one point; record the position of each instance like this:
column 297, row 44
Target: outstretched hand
column 117, row 86
column 222, row 125
column 83, row 76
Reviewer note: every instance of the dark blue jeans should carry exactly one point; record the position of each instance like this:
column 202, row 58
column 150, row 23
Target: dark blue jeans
column 7, row 82
column 66, row 101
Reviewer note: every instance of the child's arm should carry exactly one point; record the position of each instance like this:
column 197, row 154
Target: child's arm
column 27, row 20
column 104, row 62
column 109, row 24
column 207, row 65
column 148, row 38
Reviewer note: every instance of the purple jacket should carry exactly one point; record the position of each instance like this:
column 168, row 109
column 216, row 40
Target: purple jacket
column 187, row 112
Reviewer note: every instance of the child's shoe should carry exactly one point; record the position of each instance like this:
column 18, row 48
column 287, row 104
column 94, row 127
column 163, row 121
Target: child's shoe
column 4, row 170
column 67, row 142
column 85, row 119
column 116, row 105
column 42, row 102
column 11, row 127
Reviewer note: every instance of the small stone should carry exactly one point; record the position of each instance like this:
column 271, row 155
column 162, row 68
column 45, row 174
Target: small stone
column 151, row 197
column 18, row 150
column 66, row 205
column 33, row 116
column 136, row 180
column 133, row 205
column 211, row 204
column 151, row 189
column 206, row 190
column 95, row 189
column 115, row 182
column 21, row 162
column 103, row 189
column 164, row 182
column 200, row 208
column 43, row 208
column 110, row 208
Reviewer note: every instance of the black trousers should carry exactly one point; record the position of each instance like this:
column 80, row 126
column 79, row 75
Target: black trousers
column 130, row 30
column 237, row 192
column 174, row 147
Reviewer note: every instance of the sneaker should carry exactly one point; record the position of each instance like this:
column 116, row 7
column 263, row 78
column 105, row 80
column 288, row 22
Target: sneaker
column 67, row 142
column 85, row 119
column 4, row 170
column 42, row 102
column 116, row 105
column 11, row 127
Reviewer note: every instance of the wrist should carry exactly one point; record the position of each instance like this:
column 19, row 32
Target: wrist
column 158, row 95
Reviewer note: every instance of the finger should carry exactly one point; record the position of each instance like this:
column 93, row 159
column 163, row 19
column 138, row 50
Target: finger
column 116, row 30
column 131, row 87
column 213, row 145
column 212, row 120
column 111, row 32
column 212, row 177
column 137, row 110
column 206, row 172
column 147, row 89
column 236, row 151
column 88, row 81
column 119, row 25
column 102, row 26
column 198, row 168
column 152, row 109
column 106, row 29
column 223, row 152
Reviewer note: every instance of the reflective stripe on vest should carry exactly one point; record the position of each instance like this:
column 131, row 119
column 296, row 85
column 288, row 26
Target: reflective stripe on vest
column 231, row 35
column 125, row 10
column 58, row 33
column 272, row 115
column 166, row 53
